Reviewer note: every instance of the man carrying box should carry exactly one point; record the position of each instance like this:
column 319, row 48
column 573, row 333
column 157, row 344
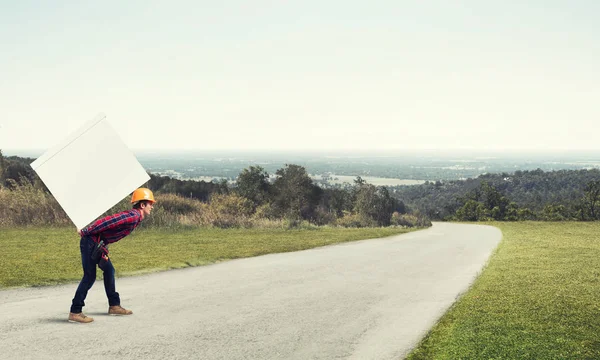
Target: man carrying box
column 94, row 251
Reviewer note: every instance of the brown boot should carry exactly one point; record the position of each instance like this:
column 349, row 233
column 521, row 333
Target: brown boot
column 118, row 310
column 80, row 318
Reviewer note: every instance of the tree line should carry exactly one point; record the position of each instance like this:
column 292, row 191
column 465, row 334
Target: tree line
column 290, row 194
column 561, row 195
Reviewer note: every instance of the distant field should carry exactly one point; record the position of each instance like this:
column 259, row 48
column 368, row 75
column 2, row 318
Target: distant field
column 47, row 256
column 378, row 181
column 332, row 179
column 439, row 164
column 538, row 298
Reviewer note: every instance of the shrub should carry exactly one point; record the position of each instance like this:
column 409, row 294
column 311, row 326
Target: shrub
column 226, row 211
column 525, row 214
column 27, row 205
column 177, row 204
column 323, row 217
column 265, row 211
column 355, row 221
column 555, row 212
column 410, row 220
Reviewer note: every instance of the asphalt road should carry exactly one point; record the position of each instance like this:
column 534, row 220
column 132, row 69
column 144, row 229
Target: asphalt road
column 371, row 299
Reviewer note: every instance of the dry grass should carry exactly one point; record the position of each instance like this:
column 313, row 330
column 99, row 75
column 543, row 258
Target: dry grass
column 27, row 205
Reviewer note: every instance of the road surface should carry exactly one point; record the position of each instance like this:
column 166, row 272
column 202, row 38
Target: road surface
column 372, row 299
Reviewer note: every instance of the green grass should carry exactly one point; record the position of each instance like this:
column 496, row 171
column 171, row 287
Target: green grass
column 49, row 256
column 538, row 298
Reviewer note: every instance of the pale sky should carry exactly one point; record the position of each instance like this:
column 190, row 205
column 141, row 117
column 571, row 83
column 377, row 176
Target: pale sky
column 297, row 75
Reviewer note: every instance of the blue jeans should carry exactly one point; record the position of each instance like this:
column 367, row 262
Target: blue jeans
column 89, row 277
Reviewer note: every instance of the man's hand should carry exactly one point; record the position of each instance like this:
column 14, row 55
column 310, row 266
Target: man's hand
column 79, row 232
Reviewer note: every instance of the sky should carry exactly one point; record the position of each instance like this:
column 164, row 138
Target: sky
column 303, row 75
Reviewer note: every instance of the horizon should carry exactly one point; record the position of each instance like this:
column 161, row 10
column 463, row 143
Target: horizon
column 389, row 169
column 477, row 153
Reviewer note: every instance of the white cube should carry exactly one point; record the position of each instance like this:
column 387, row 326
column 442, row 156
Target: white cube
column 90, row 171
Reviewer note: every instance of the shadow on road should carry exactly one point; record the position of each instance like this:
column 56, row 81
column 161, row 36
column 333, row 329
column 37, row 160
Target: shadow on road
column 61, row 320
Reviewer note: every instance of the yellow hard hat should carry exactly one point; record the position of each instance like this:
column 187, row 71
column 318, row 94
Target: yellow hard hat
column 142, row 194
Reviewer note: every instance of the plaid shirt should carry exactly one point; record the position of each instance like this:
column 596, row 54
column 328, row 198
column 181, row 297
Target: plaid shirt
column 114, row 227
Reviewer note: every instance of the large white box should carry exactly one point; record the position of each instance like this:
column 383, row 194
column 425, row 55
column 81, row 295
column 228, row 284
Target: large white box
column 90, row 171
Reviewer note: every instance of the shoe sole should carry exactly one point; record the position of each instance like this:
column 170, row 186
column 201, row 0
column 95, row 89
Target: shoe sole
column 79, row 322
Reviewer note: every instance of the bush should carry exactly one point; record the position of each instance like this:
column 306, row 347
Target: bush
column 225, row 211
column 525, row 214
column 323, row 217
column 355, row 221
column 265, row 211
column 410, row 220
column 177, row 204
column 27, row 205
column 555, row 212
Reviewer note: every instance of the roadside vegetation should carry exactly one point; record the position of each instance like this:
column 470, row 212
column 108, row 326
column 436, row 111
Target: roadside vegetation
column 290, row 200
column 538, row 298
column 257, row 198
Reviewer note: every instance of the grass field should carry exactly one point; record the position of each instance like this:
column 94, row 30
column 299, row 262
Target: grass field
column 48, row 256
column 538, row 298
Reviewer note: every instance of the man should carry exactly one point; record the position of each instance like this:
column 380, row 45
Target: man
column 94, row 241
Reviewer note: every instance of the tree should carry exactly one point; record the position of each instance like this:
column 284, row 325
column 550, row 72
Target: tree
column 223, row 187
column 374, row 204
column 525, row 214
column 359, row 181
column 253, row 184
column 295, row 196
column 336, row 201
column 201, row 190
column 471, row 211
column 591, row 198
column 19, row 172
column 494, row 202
column 512, row 212
column 555, row 212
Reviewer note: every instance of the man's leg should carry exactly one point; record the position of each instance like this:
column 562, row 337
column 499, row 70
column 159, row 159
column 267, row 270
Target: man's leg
column 109, row 283
column 89, row 275
column 114, row 301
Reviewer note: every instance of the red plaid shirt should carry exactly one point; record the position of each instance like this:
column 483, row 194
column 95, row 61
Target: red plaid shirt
column 114, row 227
